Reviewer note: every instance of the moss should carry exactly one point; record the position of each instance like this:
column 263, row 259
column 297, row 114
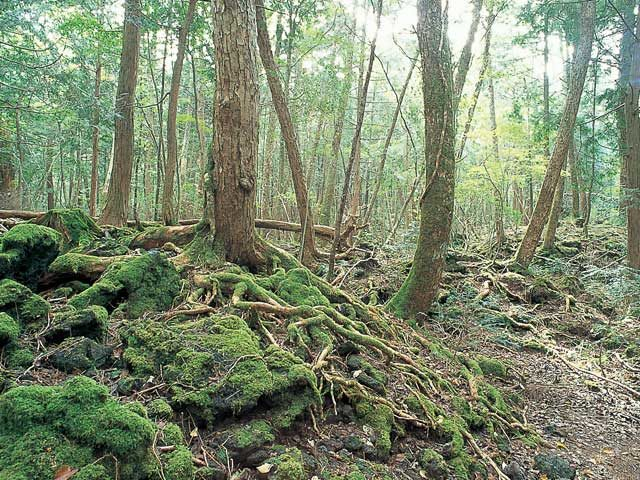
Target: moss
column 42, row 428
column 380, row 419
column 78, row 354
column 474, row 419
column 171, row 434
column 72, row 262
column 148, row 283
column 18, row 301
column 492, row 366
column 26, row 251
column 92, row 472
column 296, row 288
column 290, row 466
column 19, row 357
column 368, row 374
column 160, row 409
column 178, row 465
column 75, row 226
column 216, row 365
column 434, row 464
column 251, row 436
column 9, row 329
column 90, row 322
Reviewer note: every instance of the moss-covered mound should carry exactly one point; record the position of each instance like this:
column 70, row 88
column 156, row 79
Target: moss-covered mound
column 217, row 366
column 90, row 322
column 76, row 227
column 26, row 251
column 27, row 308
column 146, row 283
column 78, row 425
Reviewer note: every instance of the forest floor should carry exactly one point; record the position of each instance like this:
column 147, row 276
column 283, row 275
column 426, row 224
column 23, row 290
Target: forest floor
column 572, row 350
column 538, row 369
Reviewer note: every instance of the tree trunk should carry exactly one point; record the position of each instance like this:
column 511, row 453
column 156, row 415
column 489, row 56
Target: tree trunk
column 117, row 205
column 232, row 169
column 169, row 213
column 354, row 144
column 554, row 216
column 632, row 123
column 540, row 214
column 465, row 56
column 308, row 249
column 9, row 194
column 498, row 199
column 572, row 163
column 436, row 205
column 95, row 141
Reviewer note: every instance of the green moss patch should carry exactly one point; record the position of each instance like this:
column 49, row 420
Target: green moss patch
column 216, row 365
column 44, row 428
column 90, row 322
column 147, row 283
column 18, row 301
column 76, row 227
column 26, row 251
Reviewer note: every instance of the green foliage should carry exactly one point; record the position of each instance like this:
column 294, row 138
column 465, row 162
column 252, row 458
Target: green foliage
column 26, row 251
column 9, row 329
column 148, row 283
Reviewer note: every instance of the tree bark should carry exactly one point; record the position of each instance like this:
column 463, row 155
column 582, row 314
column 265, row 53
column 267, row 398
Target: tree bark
column 581, row 59
column 117, row 205
column 9, row 194
column 465, row 56
column 95, row 140
column 498, row 200
column 436, row 205
column 169, row 214
column 232, row 170
column 632, row 123
column 308, row 248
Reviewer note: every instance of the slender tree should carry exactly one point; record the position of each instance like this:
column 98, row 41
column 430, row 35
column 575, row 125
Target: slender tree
column 436, row 205
column 308, row 249
column 542, row 209
column 169, row 213
column 117, row 205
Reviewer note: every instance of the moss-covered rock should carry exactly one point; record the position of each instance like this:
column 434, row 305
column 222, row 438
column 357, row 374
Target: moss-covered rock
column 492, row 366
column 434, row 464
column 159, row 409
column 78, row 354
column 26, row 251
column 147, row 283
column 367, row 374
column 90, row 322
column 43, row 428
column 178, row 464
column 289, row 466
column 18, row 301
column 76, row 227
column 216, row 365
column 9, row 329
column 380, row 419
column 251, row 436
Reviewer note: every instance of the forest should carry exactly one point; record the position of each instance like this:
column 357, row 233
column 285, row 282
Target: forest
column 319, row 239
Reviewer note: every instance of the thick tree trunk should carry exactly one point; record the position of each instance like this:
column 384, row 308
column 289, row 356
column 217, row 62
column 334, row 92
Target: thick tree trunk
column 578, row 73
column 117, row 204
column 169, row 213
column 308, row 249
column 554, row 216
column 436, row 205
column 232, row 169
column 95, row 141
column 632, row 124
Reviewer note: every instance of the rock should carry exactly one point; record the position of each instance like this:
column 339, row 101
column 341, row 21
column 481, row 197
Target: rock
column 554, row 467
column 80, row 354
column 257, row 458
column 90, row 322
column 19, row 302
column 434, row 464
column 353, row 443
column 515, row 471
column 26, row 251
column 333, row 444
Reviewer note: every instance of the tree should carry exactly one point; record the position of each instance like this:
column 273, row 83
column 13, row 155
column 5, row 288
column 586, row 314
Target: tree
column 436, row 204
column 117, row 205
column 542, row 209
column 232, row 168
column 169, row 214
column 308, row 248
column 632, row 124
